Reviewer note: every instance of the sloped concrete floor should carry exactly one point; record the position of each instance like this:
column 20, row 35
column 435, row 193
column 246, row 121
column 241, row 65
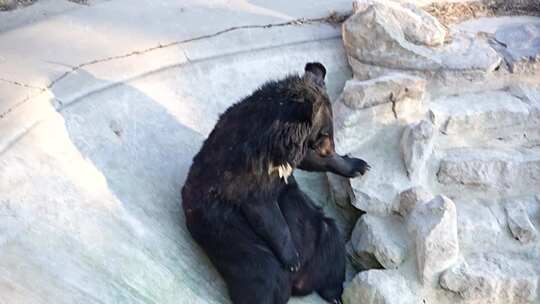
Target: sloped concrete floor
column 102, row 108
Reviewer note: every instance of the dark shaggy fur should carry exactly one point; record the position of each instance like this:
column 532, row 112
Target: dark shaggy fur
column 263, row 234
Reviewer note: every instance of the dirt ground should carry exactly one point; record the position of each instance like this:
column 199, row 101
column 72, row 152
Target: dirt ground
column 451, row 13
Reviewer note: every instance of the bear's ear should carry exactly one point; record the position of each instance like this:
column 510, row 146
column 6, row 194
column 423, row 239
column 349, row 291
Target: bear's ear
column 315, row 72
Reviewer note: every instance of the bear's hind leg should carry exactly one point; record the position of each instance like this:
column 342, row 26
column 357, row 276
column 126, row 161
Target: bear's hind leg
column 252, row 272
column 330, row 255
column 265, row 283
column 325, row 271
column 320, row 245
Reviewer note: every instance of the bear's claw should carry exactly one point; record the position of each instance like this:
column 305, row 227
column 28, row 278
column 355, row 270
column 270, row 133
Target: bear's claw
column 293, row 265
column 358, row 166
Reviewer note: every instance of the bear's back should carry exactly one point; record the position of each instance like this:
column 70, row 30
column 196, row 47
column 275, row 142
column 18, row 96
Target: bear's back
column 226, row 155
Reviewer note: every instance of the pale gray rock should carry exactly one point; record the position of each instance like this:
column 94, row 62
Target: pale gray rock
column 520, row 46
column 416, row 146
column 477, row 223
column 468, row 286
column 410, row 198
column 418, row 26
column 361, row 261
column 374, row 35
column 385, row 34
column 390, row 88
column 482, row 149
column 492, row 113
column 528, row 93
column 519, row 223
column 434, row 229
column 379, row 287
column 378, row 238
column 522, row 40
column 356, row 126
column 492, row 278
column 491, row 168
column 370, row 203
column 367, row 70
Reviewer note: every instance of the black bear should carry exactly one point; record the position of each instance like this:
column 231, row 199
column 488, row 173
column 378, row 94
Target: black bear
column 242, row 205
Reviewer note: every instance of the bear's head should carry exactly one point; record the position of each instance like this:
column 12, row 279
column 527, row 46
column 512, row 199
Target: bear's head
column 321, row 135
column 305, row 121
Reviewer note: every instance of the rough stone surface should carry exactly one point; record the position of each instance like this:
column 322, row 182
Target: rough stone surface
column 521, row 44
column 473, row 141
column 379, row 287
column 342, row 191
column 519, row 223
column 378, row 238
column 416, row 146
column 371, row 204
column 410, row 198
column 492, row 113
column 487, row 168
column 375, row 36
column 418, row 26
column 527, row 93
column 390, row 88
column 477, row 224
column 492, row 278
column 434, row 228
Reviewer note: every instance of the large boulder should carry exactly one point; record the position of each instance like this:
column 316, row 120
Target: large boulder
column 433, row 226
column 492, row 278
column 379, row 287
column 417, row 26
column 372, row 203
column 389, row 34
column 402, row 37
column 378, row 238
column 410, row 198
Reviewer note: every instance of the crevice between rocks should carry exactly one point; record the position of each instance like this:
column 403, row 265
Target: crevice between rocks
column 334, row 18
column 393, row 101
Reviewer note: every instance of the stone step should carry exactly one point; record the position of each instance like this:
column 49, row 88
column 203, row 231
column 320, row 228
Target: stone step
column 503, row 169
column 492, row 278
column 486, row 115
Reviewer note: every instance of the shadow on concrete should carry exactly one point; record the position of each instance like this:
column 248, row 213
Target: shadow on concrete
column 144, row 153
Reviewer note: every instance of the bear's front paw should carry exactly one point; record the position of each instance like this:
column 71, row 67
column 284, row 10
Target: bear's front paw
column 357, row 166
column 293, row 262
